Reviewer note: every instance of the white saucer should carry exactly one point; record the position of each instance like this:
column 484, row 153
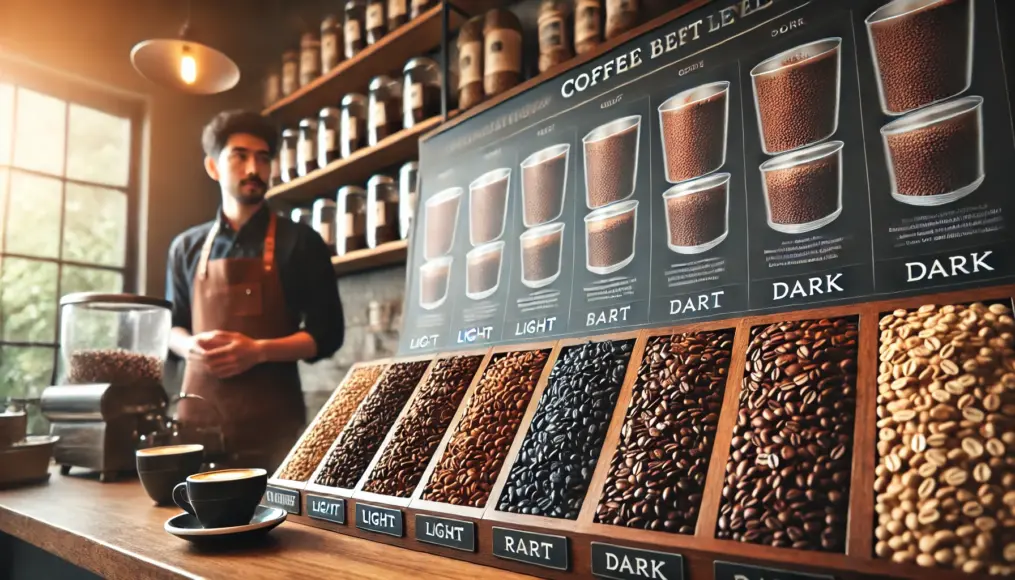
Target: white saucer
column 187, row 527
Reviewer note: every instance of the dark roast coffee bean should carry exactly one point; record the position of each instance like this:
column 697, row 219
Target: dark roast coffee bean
column 114, row 365
column 799, row 392
column 474, row 455
column 558, row 455
column 419, row 433
column 668, row 434
column 358, row 442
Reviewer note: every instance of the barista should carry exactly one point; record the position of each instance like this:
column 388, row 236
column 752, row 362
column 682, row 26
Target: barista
column 252, row 294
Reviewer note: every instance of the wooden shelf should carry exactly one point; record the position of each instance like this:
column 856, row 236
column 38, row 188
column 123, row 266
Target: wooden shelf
column 356, row 169
column 361, row 260
column 413, row 39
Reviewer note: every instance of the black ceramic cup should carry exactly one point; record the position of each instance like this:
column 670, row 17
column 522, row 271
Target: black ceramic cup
column 222, row 499
column 161, row 468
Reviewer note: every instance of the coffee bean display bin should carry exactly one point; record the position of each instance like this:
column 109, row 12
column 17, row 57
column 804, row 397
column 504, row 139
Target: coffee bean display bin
column 868, row 440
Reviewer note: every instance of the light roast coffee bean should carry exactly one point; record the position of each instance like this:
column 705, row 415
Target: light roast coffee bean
column 358, row 442
column 949, row 506
column 476, row 452
column 420, row 431
column 329, row 424
column 788, row 473
column 558, row 455
column 657, row 475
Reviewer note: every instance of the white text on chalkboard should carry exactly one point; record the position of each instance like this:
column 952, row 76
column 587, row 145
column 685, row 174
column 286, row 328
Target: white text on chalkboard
column 697, row 303
column 956, row 265
column 643, row 567
column 473, row 334
column 532, row 548
column 423, row 341
column 812, row 287
column 608, row 316
column 536, row 326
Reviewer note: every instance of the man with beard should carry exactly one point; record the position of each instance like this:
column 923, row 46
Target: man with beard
column 252, row 294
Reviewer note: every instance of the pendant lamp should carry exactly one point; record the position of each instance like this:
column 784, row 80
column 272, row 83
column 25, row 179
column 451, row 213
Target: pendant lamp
column 185, row 65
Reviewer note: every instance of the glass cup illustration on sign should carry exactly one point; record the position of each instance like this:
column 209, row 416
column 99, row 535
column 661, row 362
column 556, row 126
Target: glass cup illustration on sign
column 693, row 130
column 935, row 155
column 611, row 161
column 434, row 277
column 488, row 196
column 803, row 189
column 541, row 254
column 796, row 94
column 544, row 181
column 609, row 237
column 441, row 221
column 697, row 214
column 922, row 50
column 482, row 270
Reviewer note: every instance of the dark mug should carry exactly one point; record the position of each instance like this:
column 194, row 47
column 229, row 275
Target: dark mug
column 224, row 498
column 162, row 468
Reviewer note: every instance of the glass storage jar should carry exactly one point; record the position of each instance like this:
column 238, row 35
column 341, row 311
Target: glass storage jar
column 352, row 225
column 376, row 24
column 287, row 156
column 421, row 6
column 588, row 25
column 290, row 72
column 408, row 197
column 382, row 210
column 502, row 51
column 331, row 43
column 421, row 91
column 354, row 31
column 621, row 16
column 310, row 58
column 324, row 221
column 272, row 87
column 384, row 115
column 470, row 63
column 328, row 122
column 353, row 128
column 276, row 172
column 554, row 41
column 113, row 338
column 306, row 148
column 398, row 13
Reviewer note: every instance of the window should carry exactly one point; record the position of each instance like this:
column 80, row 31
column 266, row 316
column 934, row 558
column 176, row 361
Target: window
column 68, row 190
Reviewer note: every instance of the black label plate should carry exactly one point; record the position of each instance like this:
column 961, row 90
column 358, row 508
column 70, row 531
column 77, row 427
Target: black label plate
column 621, row 563
column 282, row 498
column 457, row 534
column 379, row 519
column 730, row 571
column 329, row 509
column 530, row 548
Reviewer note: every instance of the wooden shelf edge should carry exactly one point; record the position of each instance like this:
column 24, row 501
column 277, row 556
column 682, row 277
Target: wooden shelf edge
column 362, row 260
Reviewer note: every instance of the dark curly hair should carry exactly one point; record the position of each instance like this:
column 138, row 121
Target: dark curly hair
column 228, row 123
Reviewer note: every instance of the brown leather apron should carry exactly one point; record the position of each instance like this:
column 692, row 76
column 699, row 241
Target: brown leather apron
column 262, row 410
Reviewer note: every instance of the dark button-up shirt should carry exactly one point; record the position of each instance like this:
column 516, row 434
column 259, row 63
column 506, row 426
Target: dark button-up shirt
column 304, row 265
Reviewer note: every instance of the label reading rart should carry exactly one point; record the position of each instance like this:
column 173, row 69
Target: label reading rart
column 530, row 548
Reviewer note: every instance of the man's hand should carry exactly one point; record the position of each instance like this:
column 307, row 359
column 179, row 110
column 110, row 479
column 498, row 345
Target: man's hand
column 228, row 354
column 199, row 344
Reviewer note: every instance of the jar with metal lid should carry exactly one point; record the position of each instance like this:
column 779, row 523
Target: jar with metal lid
column 382, row 210
column 272, row 87
column 331, row 43
column 376, row 24
column 290, row 72
column 328, row 122
column 287, row 155
column 306, row 147
column 470, row 63
column 421, row 6
column 588, row 25
column 352, row 225
column 384, row 116
column 421, row 91
column 325, row 220
column 301, row 215
column 408, row 197
column 353, row 125
column 554, row 40
column 354, row 29
column 310, row 58
column 621, row 16
column 502, row 51
column 398, row 13
column 276, row 172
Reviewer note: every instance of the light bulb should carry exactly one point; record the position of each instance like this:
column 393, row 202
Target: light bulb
column 188, row 67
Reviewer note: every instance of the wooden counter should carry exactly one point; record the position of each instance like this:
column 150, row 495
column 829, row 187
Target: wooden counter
column 113, row 530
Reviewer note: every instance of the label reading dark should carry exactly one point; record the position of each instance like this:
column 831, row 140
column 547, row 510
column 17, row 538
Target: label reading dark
column 283, row 498
column 729, row 571
column 378, row 519
column 609, row 561
column 530, row 548
column 456, row 534
column 330, row 509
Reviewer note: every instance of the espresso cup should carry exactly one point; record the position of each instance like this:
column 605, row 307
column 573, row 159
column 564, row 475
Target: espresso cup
column 161, row 468
column 222, row 499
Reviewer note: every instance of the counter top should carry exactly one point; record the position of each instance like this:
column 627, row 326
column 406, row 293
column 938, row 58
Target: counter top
column 113, row 530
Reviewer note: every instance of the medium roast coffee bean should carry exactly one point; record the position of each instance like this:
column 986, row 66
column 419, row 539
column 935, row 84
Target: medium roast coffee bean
column 558, row 455
column 329, row 424
column 788, row 473
column 358, row 442
column 114, row 365
column 476, row 452
column 657, row 476
column 946, row 389
column 419, row 433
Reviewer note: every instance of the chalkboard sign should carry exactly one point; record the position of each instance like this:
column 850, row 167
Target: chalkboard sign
column 750, row 156
column 546, row 550
column 331, row 509
column 621, row 563
column 379, row 519
column 730, row 571
column 457, row 534
column 282, row 498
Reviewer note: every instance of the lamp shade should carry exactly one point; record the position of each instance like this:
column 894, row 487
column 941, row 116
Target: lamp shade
column 185, row 65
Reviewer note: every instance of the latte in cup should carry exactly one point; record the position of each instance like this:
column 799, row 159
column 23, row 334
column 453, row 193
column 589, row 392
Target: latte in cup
column 227, row 475
column 169, row 450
